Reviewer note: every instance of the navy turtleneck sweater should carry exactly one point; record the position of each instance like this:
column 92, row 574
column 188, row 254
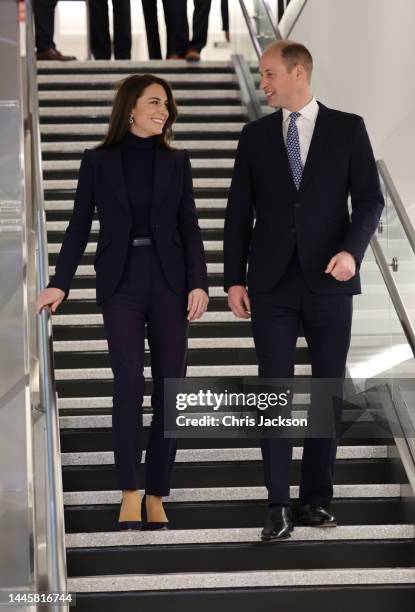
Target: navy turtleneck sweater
column 137, row 154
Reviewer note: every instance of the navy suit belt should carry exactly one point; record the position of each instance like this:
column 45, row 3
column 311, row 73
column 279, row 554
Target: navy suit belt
column 142, row 241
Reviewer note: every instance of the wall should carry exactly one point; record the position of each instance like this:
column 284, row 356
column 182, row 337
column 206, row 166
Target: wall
column 364, row 60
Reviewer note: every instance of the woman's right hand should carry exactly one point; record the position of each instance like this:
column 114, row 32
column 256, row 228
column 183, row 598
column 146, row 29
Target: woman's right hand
column 51, row 295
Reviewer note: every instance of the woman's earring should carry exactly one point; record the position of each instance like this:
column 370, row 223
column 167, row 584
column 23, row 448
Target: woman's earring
column 130, row 119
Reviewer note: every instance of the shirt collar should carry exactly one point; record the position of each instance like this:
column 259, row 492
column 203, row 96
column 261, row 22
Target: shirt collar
column 309, row 111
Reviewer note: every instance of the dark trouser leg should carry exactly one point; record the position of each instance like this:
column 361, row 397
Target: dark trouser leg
column 122, row 29
column 327, row 323
column 167, row 332
column 224, row 7
column 124, row 316
column 44, row 13
column 200, row 24
column 152, row 28
column 99, row 29
column 177, row 26
column 275, row 320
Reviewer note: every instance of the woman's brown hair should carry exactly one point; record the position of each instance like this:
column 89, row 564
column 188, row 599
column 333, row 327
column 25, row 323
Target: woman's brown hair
column 128, row 91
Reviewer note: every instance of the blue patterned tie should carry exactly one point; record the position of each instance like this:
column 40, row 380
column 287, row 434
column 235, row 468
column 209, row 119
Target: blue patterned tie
column 293, row 150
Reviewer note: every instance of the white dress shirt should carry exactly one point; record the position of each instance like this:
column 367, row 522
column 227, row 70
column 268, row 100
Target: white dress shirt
column 305, row 125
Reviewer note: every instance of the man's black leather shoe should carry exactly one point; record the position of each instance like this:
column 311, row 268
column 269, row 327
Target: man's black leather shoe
column 315, row 515
column 278, row 524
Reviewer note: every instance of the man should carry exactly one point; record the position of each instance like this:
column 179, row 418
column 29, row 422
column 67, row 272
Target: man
column 190, row 50
column 44, row 13
column 294, row 170
column 171, row 17
column 100, row 29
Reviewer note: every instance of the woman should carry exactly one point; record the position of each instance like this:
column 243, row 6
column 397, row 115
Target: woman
column 150, row 268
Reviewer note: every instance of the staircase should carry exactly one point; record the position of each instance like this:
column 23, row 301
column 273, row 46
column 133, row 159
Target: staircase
column 212, row 557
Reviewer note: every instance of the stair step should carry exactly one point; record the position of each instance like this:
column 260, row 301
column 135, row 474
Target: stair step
column 102, row 112
column 211, row 370
column 246, row 534
column 97, row 96
column 93, row 81
column 239, row 557
column 77, row 130
column 342, row 598
column 108, row 66
column 78, row 147
column 235, row 474
column 199, row 183
column 226, row 494
column 73, row 166
column 201, row 203
column 217, row 580
column 223, row 455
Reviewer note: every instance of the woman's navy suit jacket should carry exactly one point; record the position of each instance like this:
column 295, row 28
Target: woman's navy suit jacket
column 174, row 224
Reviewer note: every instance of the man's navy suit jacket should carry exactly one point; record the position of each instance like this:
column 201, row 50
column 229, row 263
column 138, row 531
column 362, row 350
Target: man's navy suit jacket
column 316, row 218
column 175, row 229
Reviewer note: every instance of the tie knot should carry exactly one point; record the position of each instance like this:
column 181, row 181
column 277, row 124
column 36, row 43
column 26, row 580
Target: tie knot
column 294, row 116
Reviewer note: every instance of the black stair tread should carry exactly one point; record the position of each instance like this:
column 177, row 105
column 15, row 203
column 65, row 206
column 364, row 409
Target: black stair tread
column 207, row 233
column 178, row 85
column 210, row 329
column 222, row 99
column 89, row 306
column 100, row 439
column 64, row 215
column 104, row 387
column 221, row 153
column 237, row 514
column 145, row 67
column 196, row 134
column 196, row 356
column 234, row 474
column 252, row 556
column 184, row 117
column 61, row 215
column 382, row 598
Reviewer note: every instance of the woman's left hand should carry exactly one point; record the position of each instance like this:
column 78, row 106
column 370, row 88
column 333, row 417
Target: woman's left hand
column 197, row 304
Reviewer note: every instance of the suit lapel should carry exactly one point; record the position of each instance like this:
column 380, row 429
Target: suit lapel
column 164, row 162
column 317, row 144
column 115, row 171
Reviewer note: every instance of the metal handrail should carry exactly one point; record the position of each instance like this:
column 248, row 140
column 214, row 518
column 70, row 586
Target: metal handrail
column 56, row 551
column 397, row 202
column 251, row 29
column 247, row 87
column 290, row 17
column 269, row 15
column 394, row 293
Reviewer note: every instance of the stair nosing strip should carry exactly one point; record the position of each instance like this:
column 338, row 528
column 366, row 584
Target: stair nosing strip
column 234, row 535
column 226, row 494
column 223, row 455
column 243, row 579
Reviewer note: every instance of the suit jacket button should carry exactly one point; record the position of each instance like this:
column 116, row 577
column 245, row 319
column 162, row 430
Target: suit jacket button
column 293, row 230
column 297, row 204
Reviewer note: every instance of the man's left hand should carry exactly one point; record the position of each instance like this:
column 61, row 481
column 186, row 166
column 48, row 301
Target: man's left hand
column 342, row 266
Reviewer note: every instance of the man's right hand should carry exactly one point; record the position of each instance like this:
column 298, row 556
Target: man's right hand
column 53, row 296
column 238, row 301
